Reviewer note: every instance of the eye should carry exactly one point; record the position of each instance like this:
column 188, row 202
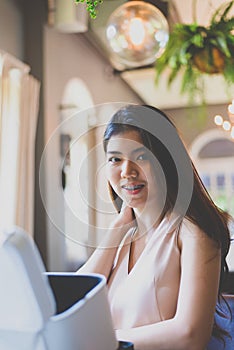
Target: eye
column 143, row 156
column 114, row 160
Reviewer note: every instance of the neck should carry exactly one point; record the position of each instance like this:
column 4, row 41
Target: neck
column 147, row 219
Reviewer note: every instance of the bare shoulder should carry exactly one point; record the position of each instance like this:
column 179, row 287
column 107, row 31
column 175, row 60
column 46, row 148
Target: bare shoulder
column 188, row 228
column 191, row 235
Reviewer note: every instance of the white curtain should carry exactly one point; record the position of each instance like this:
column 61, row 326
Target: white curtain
column 19, row 100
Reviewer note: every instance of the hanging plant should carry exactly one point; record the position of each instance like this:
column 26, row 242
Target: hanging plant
column 195, row 50
column 91, row 6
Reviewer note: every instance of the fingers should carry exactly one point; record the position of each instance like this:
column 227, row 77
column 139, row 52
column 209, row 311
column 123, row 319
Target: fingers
column 126, row 215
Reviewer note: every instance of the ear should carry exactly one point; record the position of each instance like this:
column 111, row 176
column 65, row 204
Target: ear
column 117, row 201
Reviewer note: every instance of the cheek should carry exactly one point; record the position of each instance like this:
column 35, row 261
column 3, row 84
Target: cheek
column 112, row 175
column 150, row 177
column 147, row 173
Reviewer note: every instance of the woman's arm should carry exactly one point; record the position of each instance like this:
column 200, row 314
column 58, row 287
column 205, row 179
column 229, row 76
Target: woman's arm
column 192, row 325
column 101, row 261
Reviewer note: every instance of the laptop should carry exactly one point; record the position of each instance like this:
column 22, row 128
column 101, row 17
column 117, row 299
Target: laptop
column 50, row 310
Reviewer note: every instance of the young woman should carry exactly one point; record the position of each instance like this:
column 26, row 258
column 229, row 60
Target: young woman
column 165, row 253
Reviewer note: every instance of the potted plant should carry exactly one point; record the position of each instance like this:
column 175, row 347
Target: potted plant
column 197, row 50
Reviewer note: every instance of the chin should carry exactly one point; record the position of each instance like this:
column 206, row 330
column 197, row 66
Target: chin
column 135, row 203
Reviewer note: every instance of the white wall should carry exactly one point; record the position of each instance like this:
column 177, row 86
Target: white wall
column 70, row 55
column 11, row 28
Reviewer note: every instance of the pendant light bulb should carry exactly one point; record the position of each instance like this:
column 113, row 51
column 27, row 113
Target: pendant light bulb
column 137, row 33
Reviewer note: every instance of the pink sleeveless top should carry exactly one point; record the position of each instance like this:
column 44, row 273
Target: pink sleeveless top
column 149, row 292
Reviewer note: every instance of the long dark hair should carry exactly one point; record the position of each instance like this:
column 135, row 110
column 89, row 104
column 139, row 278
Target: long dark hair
column 160, row 136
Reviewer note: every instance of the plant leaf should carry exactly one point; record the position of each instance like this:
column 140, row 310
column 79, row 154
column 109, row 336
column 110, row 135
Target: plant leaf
column 221, row 12
column 222, row 43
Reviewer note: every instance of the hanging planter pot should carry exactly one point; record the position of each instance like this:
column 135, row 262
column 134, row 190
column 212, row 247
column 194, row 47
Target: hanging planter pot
column 209, row 61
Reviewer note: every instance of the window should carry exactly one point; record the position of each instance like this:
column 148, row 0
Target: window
column 213, row 156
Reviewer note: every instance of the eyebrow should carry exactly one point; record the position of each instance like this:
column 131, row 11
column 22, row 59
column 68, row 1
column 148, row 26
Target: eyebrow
column 134, row 151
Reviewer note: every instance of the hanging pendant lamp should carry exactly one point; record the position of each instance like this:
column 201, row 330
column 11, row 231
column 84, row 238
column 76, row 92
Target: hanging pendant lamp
column 137, row 33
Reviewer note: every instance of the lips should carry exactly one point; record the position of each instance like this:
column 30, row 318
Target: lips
column 133, row 188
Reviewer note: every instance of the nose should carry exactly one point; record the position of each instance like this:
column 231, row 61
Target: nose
column 129, row 169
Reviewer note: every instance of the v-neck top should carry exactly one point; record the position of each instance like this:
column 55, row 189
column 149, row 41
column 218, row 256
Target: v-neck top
column 149, row 292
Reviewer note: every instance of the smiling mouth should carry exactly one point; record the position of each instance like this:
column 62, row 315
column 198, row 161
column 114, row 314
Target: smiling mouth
column 133, row 189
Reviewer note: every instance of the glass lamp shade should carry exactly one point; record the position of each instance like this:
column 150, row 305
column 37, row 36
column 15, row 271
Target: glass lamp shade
column 137, row 33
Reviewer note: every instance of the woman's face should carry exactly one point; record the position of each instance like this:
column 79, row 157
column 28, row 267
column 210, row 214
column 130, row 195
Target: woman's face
column 129, row 169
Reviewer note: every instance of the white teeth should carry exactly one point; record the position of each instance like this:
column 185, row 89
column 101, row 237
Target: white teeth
column 132, row 188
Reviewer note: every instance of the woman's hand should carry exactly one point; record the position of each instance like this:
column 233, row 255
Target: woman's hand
column 123, row 222
column 101, row 261
column 125, row 219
